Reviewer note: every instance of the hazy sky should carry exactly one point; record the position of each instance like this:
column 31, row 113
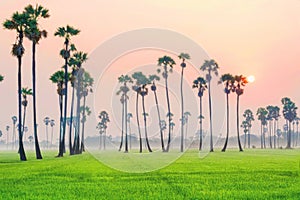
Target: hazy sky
column 257, row 37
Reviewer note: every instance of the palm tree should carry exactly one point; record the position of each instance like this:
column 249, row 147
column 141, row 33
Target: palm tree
column 46, row 121
column 211, row 67
column 87, row 84
column 7, row 135
column 76, row 62
column 248, row 115
column 129, row 116
column 297, row 130
column 183, row 57
column 103, row 125
column 246, row 126
column 66, row 33
column 137, row 88
column 25, row 92
column 276, row 115
column 240, row 82
column 34, row 34
column 200, row 84
column 143, row 93
column 52, row 124
column 85, row 111
column 101, row 128
column 167, row 63
column 59, row 78
column 228, row 81
column 270, row 118
column 14, row 119
column 290, row 114
column 124, row 89
column 1, row 78
column 18, row 23
column 262, row 117
column 154, row 78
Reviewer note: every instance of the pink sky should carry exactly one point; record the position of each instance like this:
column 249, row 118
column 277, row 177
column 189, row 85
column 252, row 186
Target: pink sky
column 258, row 37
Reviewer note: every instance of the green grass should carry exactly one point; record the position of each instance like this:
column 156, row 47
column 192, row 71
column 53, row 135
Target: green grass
column 253, row 174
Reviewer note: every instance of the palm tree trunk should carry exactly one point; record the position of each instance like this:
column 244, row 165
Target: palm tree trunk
column 297, row 134
column 138, row 121
column 47, row 142
column 289, row 136
column 82, row 148
column 71, row 122
column 169, row 110
column 145, row 124
column 245, row 139
column 182, row 110
column 21, row 147
column 227, row 129
column 210, row 118
column 264, row 134
column 60, row 126
column 104, row 140
column 270, row 134
column 122, row 135
column 238, row 123
column 130, row 135
column 200, row 122
column 51, row 137
column 159, row 120
column 13, row 139
column 23, row 125
column 261, row 135
column 126, row 133
column 36, row 141
column 100, row 138
column 274, row 134
column 77, row 130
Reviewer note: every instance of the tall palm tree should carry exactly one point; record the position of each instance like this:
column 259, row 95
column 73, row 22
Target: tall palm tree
column 276, row 115
column 262, row 117
column 59, row 78
column 76, row 62
column 210, row 66
column 270, row 118
column 245, row 125
column 143, row 93
column 240, row 82
column 124, row 89
column 34, row 34
column 101, row 128
column 290, row 114
column 186, row 116
column 1, row 78
column 18, row 23
column 155, row 78
column 25, row 93
column 137, row 76
column 52, row 124
column 87, row 84
column 14, row 119
column 200, row 84
column 66, row 33
column 86, row 111
column 167, row 63
column 183, row 57
column 248, row 115
column 103, row 123
column 46, row 121
column 228, row 81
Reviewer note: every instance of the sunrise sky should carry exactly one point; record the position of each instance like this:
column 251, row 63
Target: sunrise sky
column 257, row 37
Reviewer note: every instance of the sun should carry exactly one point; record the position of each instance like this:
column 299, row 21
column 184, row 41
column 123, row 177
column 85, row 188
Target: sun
column 251, row 79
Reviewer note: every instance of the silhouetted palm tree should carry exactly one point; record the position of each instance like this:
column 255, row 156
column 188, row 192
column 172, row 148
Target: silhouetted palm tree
column 124, row 89
column 18, row 23
column 154, row 78
column 200, row 84
column 7, row 135
column 1, row 78
column 46, row 121
column 14, row 119
column 183, row 57
column 167, row 63
column 66, row 33
column 86, row 111
column 103, row 124
column 262, row 117
column 228, row 81
column 290, row 114
column 34, row 34
column 129, row 116
column 186, row 122
column 52, row 124
column 246, row 126
column 248, row 115
column 144, row 92
column 240, row 82
column 210, row 66
column 139, row 78
column 25, row 93
column 58, row 78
